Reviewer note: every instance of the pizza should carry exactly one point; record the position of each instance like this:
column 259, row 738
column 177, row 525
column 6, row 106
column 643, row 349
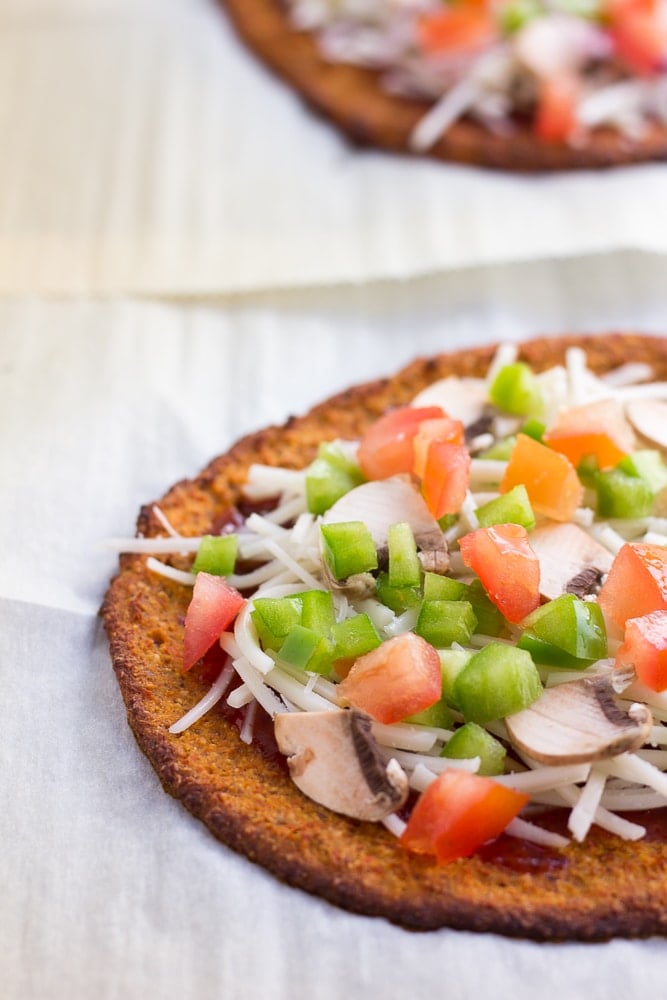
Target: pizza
column 408, row 651
column 515, row 85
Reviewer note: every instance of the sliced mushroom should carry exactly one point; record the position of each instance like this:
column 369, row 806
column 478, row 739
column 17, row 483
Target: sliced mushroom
column 384, row 502
column 568, row 557
column 577, row 722
column 335, row 760
column 649, row 418
column 464, row 399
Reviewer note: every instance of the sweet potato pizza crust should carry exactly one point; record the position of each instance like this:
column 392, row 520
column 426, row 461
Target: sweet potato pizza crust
column 354, row 100
column 608, row 887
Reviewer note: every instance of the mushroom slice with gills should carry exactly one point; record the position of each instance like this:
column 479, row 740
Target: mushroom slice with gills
column 383, row 502
column 577, row 722
column 571, row 561
column 335, row 760
column 649, row 418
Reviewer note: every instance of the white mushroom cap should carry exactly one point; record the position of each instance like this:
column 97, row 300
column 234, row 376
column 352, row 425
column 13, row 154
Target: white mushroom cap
column 649, row 418
column 383, row 502
column 335, row 760
column 577, row 722
column 464, row 399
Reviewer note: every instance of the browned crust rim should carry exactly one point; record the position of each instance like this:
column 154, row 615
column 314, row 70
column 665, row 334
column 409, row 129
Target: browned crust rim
column 352, row 98
column 609, row 888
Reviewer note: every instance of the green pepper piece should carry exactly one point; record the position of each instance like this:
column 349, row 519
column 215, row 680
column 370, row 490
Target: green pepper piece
column 438, row 716
column 568, row 624
column 399, row 599
column 498, row 681
column 353, row 637
column 534, row 429
column 330, row 477
column 348, row 548
column 512, row 507
column 307, row 650
column 490, row 620
column 515, row 389
column 588, row 470
column 317, row 611
column 621, row 495
column 443, row 622
column 273, row 618
column 216, row 554
column 443, row 588
column 517, row 13
column 501, row 450
column 452, row 662
column 648, row 465
column 404, row 565
column 548, row 655
column 470, row 740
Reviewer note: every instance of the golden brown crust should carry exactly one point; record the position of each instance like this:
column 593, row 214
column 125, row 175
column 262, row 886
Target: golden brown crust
column 609, row 887
column 352, row 98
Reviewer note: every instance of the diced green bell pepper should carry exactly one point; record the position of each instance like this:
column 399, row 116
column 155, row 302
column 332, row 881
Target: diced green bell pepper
column 515, row 389
column 273, row 618
column 348, row 548
column 317, row 611
column 534, row 429
column 404, row 566
column 438, row 716
column 452, row 662
column 501, row 450
column 471, row 740
column 443, row 622
column 648, row 465
column 216, row 554
column 490, row 620
column 621, row 495
column 353, row 637
column 399, row 599
column 443, row 588
column 330, row 477
column 512, row 507
column 307, row 650
column 498, row 681
column 566, row 632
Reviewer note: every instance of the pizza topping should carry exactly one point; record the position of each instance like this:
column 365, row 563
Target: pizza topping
column 334, row 759
column 563, row 69
column 577, row 722
column 480, row 642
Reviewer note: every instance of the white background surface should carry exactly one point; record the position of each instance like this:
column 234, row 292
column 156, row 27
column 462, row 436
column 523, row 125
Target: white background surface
column 167, row 286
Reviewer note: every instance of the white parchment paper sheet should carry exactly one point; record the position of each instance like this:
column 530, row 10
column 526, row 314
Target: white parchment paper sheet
column 109, row 888
column 145, row 151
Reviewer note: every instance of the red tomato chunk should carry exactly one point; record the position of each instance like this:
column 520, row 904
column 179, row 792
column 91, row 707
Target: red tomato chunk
column 645, row 649
column 213, row 608
column 458, row 813
column 399, row 678
column 507, row 566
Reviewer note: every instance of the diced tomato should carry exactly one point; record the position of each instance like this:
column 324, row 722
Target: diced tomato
column 556, row 114
column 460, row 27
column 213, row 608
column 458, row 813
column 645, row 649
column 446, row 477
column 636, row 584
column 445, row 429
column 386, row 448
column 502, row 558
column 550, row 479
column 399, row 678
column 596, row 429
column 639, row 33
